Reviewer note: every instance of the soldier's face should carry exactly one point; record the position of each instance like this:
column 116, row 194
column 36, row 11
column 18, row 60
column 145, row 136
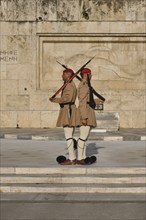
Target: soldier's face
column 65, row 76
column 85, row 76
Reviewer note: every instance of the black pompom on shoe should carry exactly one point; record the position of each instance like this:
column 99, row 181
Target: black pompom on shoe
column 87, row 160
column 90, row 160
column 60, row 159
column 93, row 159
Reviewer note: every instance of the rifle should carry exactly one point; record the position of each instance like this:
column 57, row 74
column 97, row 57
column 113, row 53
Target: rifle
column 91, row 98
column 91, row 88
column 69, row 80
column 92, row 102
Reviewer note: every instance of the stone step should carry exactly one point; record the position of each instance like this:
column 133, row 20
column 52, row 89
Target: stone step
column 111, row 125
column 108, row 120
column 71, row 179
column 72, row 188
column 107, row 115
column 74, row 170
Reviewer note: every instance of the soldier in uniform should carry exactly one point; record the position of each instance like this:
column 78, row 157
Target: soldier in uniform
column 85, row 115
column 67, row 114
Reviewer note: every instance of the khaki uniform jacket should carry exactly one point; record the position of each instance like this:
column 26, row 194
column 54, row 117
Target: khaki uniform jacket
column 69, row 94
column 84, row 110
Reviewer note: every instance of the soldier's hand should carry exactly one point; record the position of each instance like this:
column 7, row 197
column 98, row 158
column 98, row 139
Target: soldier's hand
column 84, row 122
column 52, row 99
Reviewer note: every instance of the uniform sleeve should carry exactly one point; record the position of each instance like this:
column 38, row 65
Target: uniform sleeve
column 66, row 96
column 83, row 95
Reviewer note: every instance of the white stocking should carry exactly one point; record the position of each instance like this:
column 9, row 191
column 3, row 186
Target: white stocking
column 70, row 144
column 84, row 133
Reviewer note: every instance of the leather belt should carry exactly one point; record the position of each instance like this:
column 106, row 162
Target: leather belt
column 67, row 103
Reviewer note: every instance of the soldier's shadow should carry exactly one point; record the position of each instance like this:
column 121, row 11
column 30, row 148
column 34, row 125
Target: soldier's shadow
column 92, row 148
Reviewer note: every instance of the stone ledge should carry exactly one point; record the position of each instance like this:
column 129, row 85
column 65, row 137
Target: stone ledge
column 71, row 179
column 57, row 134
column 98, row 138
column 24, row 189
column 77, row 170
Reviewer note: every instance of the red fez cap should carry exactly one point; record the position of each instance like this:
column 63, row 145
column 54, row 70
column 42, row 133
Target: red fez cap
column 85, row 70
column 68, row 71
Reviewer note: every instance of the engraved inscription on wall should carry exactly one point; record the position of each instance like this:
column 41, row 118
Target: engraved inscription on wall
column 8, row 55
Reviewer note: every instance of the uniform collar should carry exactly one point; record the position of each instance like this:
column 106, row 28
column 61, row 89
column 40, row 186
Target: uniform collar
column 84, row 81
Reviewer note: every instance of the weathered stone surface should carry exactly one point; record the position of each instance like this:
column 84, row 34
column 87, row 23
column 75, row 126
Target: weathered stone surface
column 132, row 102
column 127, row 27
column 133, row 119
column 125, row 119
column 3, row 10
column 28, row 119
column 18, row 28
column 17, row 102
column 24, row 48
column 46, row 10
column 68, row 10
column 3, row 75
column 3, row 71
column 8, row 119
column 73, row 27
column 139, row 118
column 135, row 10
column 103, row 10
column 72, row 10
column 26, row 27
column 113, row 10
column 45, row 119
column 18, row 10
column 3, row 101
column 41, row 102
column 112, row 103
column 91, row 27
column 19, row 71
column 9, row 87
column 25, row 87
column 140, row 86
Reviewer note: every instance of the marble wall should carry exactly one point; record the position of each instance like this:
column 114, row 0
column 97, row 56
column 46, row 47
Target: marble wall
column 34, row 34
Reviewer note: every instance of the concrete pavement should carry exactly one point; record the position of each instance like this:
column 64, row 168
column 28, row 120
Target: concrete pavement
column 73, row 211
column 32, row 153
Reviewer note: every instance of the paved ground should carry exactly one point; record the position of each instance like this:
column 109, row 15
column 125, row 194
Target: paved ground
column 32, row 153
column 58, row 134
column 73, row 211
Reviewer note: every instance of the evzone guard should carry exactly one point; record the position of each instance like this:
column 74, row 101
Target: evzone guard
column 85, row 117
column 67, row 116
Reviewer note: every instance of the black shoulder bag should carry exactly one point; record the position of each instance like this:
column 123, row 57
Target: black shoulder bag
column 92, row 103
